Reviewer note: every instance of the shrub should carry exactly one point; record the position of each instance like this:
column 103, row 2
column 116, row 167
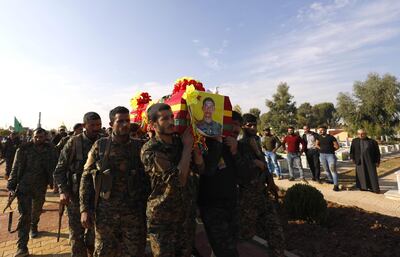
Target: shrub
column 305, row 202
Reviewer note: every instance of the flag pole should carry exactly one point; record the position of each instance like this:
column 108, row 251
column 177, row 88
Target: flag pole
column 39, row 122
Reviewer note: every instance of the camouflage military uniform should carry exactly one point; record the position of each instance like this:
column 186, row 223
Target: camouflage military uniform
column 120, row 222
column 67, row 176
column 256, row 212
column 211, row 129
column 32, row 171
column 166, row 213
column 9, row 149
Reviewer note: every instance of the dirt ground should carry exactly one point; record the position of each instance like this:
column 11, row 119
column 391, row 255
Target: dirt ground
column 349, row 232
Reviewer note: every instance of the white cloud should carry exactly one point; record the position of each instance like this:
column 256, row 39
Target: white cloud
column 322, row 56
column 318, row 11
column 205, row 52
column 210, row 57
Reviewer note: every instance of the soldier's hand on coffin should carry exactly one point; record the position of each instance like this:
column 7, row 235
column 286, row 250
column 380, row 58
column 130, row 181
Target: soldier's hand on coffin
column 187, row 138
column 85, row 220
column 6, row 177
column 232, row 143
column 64, row 199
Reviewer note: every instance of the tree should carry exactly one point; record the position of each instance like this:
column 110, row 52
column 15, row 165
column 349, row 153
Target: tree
column 304, row 115
column 374, row 105
column 282, row 110
column 237, row 108
column 325, row 114
column 255, row 111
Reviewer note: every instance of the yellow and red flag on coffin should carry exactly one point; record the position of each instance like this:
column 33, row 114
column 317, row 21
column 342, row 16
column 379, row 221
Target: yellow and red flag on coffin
column 139, row 104
column 178, row 104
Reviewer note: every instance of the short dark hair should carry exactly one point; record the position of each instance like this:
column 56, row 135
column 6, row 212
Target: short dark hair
column 91, row 116
column 39, row 131
column 323, row 127
column 117, row 110
column 209, row 99
column 77, row 125
column 153, row 111
column 236, row 116
column 248, row 117
column 290, row 127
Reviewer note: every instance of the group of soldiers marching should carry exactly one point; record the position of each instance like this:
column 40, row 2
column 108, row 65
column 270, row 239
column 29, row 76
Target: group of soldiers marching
column 122, row 192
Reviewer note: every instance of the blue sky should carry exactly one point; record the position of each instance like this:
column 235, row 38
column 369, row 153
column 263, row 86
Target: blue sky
column 65, row 58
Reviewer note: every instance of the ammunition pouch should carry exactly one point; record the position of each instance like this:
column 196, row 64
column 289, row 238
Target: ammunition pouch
column 75, row 183
column 106, row 184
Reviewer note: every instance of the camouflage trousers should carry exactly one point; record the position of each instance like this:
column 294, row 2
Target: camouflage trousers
column 82, row 241
column 30, row 205
column 120, row 232
column 258, row 216
column 220, row 224
column 169, row 240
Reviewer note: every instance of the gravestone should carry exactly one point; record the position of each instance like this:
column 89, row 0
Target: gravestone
column 394, row 194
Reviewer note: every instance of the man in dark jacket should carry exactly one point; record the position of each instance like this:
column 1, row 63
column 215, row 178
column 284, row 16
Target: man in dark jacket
column 225, row 167
column 365, row 154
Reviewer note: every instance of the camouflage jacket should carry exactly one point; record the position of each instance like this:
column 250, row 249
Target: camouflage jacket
column 128, row 185
column 168, row 197
column 70, row 163
column 33, row 166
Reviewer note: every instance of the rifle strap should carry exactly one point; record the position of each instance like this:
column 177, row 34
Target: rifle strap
column 76, row 153
column 79, row 148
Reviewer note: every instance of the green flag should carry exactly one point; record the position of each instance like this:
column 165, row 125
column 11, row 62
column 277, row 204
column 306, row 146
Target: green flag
column 17, row 125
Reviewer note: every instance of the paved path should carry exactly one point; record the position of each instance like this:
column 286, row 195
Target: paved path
column 365, row 200
column 46, row 244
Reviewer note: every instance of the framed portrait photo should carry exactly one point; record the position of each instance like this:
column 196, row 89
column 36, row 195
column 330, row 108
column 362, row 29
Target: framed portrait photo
column 209, row 114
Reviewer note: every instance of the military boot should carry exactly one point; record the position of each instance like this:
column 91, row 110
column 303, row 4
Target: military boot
column 21, row 252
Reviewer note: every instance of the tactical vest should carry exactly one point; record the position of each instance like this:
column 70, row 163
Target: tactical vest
column 138, row 186
column 75, row 164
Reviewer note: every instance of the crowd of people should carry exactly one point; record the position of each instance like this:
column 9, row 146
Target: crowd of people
column 123, row 188
column 319, row 149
